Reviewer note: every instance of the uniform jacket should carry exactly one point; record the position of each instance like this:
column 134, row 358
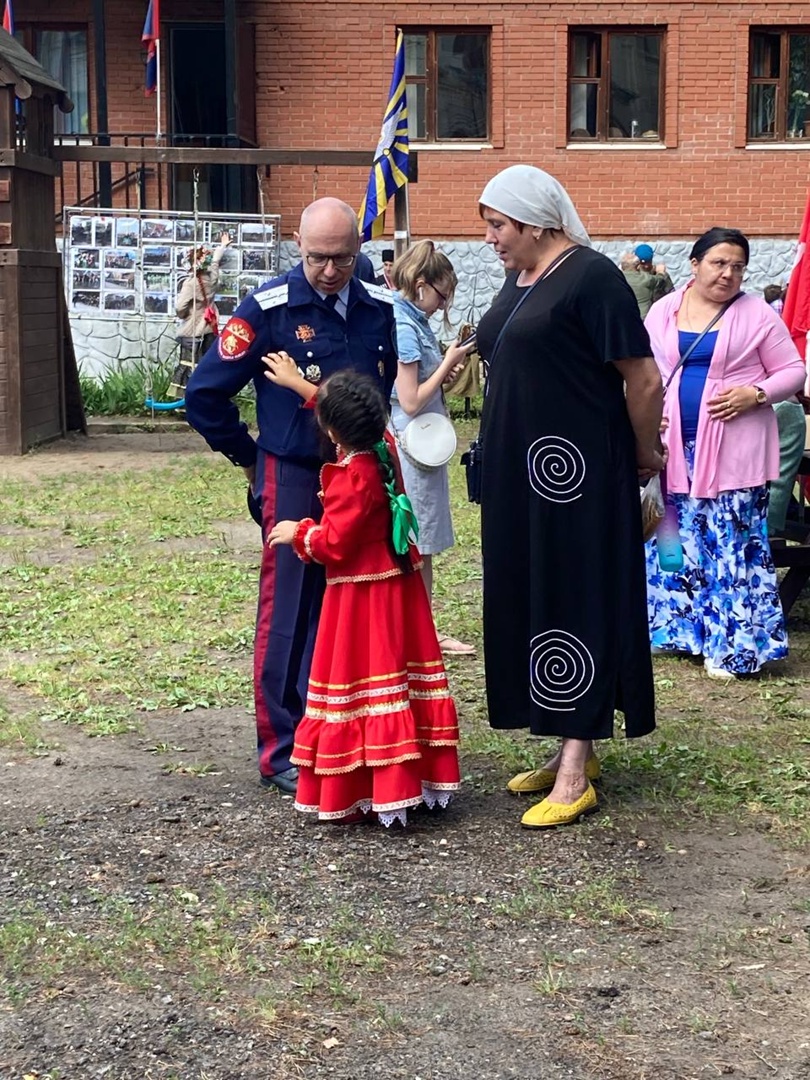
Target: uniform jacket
column 286, row 313
column 753, row 348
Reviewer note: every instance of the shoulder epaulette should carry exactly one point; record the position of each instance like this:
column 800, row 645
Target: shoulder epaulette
column 271, row 298
column 378, row 292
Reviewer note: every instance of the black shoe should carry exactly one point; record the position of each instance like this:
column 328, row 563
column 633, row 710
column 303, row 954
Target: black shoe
column 286, row 781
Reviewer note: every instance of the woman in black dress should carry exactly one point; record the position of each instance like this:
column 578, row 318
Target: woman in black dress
column 571, row 420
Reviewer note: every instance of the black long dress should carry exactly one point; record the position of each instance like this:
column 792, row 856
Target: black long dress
column 565, row 621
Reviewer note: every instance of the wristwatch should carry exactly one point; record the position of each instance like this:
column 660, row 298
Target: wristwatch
column 762, row 397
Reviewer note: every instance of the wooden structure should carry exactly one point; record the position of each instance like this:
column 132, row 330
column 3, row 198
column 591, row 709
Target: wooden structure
column 39, row 393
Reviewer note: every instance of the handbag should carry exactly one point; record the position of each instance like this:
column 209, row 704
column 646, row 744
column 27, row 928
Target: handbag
column 473, row 459
column 428, row 441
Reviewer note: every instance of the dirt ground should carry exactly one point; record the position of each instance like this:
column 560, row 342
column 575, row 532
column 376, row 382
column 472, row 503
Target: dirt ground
column 624, row 948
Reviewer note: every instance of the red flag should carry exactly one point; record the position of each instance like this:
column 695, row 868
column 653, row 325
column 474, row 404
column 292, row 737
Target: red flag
column 796, row 312
column 8, row 19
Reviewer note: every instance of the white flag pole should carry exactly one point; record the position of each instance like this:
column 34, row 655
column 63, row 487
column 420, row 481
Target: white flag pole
column 159, row 132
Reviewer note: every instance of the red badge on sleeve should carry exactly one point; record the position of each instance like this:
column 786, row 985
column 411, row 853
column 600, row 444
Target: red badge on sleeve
column 235, row 340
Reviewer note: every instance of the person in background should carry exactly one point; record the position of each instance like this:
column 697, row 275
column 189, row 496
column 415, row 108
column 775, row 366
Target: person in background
column 643, row 284
column 645, row 255
column 387, row 262
column 326, row 320
column 425, row 281
column 772, row 295
column 723, row 443
column 570, row 422
column 197, row 311
column 792, row 427
column 390, row 743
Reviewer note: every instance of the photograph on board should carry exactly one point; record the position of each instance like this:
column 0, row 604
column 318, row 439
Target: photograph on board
column 157, row 256
column 103, row 232
column 257, row 259
column 254, row 232
column 156, row 229
column 156, row 281
column 127, row 232
column 86, row 279
column 81, row 231
column 85, row 301
column 156, row 303
column 120, row 259
column 123, row 280
column 119, row 301
column 85, row 258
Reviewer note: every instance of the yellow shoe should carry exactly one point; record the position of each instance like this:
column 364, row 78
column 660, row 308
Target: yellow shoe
column 526, row 783
column 545, row 815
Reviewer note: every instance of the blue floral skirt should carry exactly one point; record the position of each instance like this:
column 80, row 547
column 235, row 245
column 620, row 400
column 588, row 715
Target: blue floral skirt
column 724, row 603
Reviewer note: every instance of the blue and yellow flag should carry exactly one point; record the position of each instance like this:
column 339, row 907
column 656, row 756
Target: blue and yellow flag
column 390, row 168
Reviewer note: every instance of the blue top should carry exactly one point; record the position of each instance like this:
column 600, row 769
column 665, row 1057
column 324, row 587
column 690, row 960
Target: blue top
column 417, row 344
column 286, row 313
column 693, row 379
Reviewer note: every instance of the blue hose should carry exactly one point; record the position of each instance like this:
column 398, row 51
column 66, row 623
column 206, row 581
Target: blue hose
column 164, row 406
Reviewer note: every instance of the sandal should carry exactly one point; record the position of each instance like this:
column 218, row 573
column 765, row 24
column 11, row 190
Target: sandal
column 451, row 646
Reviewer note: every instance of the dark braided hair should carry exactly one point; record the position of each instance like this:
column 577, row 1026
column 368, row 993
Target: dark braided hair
column 351, row 406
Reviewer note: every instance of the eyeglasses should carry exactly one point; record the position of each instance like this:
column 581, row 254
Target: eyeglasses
column 720, row 265
column 440, row 295
column 340, row 262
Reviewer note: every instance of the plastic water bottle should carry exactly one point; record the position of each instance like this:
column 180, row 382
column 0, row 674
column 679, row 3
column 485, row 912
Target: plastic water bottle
column 668, row 541
column 634, row 127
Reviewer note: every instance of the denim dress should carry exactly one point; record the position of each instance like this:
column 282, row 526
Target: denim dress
column 429, row 490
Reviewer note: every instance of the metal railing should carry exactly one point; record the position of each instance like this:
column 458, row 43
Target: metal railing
column 125, row 184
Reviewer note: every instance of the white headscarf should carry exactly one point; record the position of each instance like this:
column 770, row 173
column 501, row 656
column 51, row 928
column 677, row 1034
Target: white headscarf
column 532, row 196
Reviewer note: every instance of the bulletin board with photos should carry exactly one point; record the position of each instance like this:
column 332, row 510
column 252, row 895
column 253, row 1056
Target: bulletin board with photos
column 132, row 263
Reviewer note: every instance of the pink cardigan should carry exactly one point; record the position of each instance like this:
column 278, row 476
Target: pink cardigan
column 753, row 348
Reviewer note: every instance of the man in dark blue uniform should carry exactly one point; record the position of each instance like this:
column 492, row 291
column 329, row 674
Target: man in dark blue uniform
column 326, row 319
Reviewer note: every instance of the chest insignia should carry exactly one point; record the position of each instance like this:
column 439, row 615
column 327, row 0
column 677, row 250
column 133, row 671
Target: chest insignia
column 305, row 333
column 236, row 338
column 313, row 374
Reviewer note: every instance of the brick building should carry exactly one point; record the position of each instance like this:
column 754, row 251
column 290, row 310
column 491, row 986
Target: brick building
column 660, row 119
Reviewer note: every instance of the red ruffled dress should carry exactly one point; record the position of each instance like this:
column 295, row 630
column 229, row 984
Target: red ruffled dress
column 380, row 730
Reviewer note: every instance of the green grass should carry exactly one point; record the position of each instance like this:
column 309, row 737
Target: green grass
column 122, row 593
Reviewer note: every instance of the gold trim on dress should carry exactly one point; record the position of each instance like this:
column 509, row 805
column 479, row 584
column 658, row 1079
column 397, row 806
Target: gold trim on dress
column 350, row 579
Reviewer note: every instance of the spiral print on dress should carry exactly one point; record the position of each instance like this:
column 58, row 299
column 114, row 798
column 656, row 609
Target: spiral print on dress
column 561, row 670
column 556, row 469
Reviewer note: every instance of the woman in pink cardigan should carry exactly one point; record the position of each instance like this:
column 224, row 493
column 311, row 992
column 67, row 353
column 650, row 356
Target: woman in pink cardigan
column 723, row 449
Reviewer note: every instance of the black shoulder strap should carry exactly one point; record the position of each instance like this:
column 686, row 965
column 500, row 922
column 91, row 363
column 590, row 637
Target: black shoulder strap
column 555, row 262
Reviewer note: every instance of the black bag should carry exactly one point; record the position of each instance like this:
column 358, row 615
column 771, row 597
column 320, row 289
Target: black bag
column 472, row 461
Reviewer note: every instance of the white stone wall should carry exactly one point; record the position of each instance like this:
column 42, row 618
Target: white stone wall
column 105, row 344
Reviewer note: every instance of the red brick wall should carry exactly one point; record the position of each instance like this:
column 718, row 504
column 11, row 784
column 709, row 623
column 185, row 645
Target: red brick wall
column 322, row 78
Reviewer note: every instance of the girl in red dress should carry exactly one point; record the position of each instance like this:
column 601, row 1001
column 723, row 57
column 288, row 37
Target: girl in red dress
column 380, row 730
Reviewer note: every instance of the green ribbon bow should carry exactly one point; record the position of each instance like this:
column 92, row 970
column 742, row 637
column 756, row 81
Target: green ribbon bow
column 404, row 526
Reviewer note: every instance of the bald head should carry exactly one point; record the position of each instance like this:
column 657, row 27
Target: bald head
column 328, row 214
column 328, row 229
column 628, row 261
